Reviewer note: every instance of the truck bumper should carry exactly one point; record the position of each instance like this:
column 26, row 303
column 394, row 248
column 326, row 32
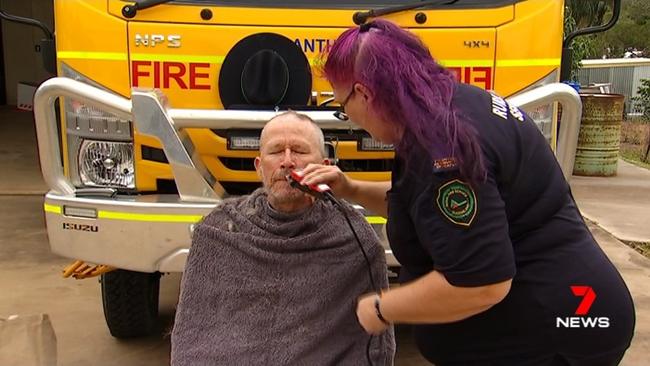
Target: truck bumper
column 143, row 233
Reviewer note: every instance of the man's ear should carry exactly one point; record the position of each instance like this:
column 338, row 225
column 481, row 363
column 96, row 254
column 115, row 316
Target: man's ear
column 257, row 163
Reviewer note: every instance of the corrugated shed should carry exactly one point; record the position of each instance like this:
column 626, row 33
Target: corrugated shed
column 624, row 75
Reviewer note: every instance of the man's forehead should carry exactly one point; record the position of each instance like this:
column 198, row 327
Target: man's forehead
column 288, row 123
column 288, row 140
column 284, row 127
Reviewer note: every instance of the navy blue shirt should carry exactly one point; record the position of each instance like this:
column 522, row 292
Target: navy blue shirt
column 520, row 224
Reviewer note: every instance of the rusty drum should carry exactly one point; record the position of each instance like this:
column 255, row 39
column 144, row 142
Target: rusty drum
column 600, row 133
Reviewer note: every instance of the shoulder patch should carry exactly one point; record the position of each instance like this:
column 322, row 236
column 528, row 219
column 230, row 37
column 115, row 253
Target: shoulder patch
column 444, row 165
column 457, row 202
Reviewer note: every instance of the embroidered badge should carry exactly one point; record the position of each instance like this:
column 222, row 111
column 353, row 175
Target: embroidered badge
column 445, row 164
column 457, row 202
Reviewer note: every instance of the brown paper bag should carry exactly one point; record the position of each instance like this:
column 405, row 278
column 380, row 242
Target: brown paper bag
column 27, row 340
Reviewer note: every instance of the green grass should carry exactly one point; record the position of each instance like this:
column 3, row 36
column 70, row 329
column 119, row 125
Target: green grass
column 634, row 140
column 633, row 156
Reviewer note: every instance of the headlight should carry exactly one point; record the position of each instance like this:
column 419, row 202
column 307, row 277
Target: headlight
column 241, row 142
column 106, row 164
column 543, row 117
column 89, row 122
column 99, row 144
column 370, row 144
column 544, row 114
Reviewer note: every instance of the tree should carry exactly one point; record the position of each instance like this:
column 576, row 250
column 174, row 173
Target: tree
column 631, row 31
column 580, row 14
column 587, row 13
column 638, row 11
column 643, row 100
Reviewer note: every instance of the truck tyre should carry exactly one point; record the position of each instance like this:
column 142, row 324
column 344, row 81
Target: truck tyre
column 130, row 301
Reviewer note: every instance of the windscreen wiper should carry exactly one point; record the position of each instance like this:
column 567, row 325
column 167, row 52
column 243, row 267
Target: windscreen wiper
column 129, row 11
column 361, row 17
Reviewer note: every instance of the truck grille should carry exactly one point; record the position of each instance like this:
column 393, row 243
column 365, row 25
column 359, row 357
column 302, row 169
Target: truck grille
column 348, row 165
column 247, row 164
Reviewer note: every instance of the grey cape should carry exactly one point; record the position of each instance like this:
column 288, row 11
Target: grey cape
column 266, row 288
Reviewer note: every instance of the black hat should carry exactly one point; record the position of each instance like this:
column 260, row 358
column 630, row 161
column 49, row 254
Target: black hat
column 265, row 69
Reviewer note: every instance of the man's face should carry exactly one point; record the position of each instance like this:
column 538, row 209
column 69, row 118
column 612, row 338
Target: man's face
column 286, row 143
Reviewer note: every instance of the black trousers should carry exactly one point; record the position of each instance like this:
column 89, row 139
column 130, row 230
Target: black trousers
column 610, row 358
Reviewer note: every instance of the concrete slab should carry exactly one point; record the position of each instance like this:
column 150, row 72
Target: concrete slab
column 31, row 282
column 19, row 154
column 619, row 204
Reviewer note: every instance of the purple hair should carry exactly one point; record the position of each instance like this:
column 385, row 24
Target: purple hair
column 410, row 89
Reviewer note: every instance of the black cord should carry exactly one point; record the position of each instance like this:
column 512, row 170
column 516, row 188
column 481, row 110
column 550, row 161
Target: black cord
column 368, row 351
column 329, row 196
column 338, row 205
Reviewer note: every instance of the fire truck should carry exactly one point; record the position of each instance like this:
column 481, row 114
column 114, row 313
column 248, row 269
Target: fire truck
column 157, row 110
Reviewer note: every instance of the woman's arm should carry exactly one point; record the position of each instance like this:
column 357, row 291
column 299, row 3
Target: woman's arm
column 429, row 299
column 370, row 195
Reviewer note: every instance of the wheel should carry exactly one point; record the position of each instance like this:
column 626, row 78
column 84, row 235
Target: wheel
column 130, row 301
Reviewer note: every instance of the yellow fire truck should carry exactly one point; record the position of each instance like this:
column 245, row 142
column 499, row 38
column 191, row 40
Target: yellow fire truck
column 157, row 111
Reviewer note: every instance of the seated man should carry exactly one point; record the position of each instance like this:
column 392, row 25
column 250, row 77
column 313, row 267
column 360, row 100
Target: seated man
column 273, row 278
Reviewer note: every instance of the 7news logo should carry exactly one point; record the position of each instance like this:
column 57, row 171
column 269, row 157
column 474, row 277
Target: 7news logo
column 583, row 321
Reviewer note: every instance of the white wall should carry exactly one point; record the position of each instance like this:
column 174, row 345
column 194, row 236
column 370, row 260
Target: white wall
column 22, row 62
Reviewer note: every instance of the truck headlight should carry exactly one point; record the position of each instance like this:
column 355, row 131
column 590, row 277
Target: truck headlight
column 99, row 144
column 90, row 122
column 236, row 142
column 370, row 144
column 106, row 164
column 544, row 115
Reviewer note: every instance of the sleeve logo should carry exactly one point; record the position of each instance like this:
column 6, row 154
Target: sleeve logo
column 501, row 108
column 457, row 202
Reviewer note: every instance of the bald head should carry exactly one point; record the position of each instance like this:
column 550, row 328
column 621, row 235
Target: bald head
column 294, row 121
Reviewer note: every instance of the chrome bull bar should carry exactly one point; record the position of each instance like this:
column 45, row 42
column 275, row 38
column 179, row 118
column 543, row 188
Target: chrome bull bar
column 153, row 232
column 569, row 99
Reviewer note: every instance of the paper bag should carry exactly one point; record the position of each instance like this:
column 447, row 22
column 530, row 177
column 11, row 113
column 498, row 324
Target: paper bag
column 27, row 340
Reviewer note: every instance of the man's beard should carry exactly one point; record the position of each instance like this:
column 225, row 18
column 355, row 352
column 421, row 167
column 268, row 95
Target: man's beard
column 280, row 192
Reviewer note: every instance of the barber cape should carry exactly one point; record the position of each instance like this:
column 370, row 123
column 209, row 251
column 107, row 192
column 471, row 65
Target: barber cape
column 263, row 287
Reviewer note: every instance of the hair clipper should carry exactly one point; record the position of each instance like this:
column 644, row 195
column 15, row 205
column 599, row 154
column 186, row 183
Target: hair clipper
column 321, row 191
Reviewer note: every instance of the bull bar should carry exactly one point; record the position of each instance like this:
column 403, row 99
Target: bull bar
column 152, row 232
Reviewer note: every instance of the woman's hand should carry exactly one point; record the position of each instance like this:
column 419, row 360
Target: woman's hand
column 367, row 315
column 331, row 175
column 370, row 195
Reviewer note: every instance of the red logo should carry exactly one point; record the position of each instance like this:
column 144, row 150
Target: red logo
column 581, row 321
column 588, row 297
